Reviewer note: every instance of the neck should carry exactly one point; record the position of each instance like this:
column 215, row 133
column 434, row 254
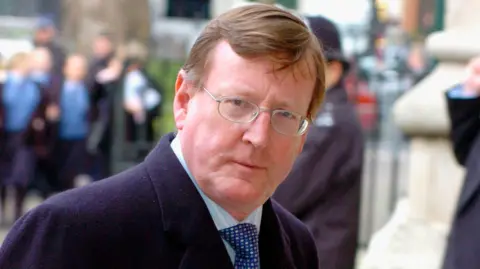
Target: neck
column 238, row 213
column 238, row 216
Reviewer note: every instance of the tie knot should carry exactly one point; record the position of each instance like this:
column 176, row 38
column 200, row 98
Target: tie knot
column 244, row 240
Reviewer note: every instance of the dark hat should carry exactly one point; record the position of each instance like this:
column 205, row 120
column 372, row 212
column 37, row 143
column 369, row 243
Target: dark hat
column 328, row 35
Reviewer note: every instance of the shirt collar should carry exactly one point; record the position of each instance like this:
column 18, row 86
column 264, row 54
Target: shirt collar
column 72, row 84
column 221, row 218
column 15, row 78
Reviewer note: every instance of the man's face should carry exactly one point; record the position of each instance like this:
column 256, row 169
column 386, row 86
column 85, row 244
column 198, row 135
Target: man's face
column 44, row 35
column 102, row 47
column 239, row 165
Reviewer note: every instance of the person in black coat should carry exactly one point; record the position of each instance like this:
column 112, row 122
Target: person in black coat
column 103, row 79
column 464, row 109
column 323, row 188
column 201, row 198
column 44, row 37
column 42, row 74
column 72, row 98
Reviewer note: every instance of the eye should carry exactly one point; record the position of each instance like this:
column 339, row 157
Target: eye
column 286, row 114
column 237, row 102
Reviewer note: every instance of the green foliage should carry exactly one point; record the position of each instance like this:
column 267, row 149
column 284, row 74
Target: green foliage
column 165, row 74
column 288, row 3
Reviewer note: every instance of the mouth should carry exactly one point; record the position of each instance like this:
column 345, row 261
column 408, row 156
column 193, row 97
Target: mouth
column 249, row 165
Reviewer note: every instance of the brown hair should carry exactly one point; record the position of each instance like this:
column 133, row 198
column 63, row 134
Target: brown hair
column 261, row 30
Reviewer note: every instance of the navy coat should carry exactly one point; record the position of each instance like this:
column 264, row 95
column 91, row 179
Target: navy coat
column 464, row 240
column 150, row 216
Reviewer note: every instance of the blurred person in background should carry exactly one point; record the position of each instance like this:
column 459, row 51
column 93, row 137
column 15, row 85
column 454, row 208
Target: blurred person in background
column 23, row 107
column 73, row 126
column 323, row 188
column 41, row 66
column 44, row 36
column 463, row 101
column 142, row 96
column 103, row 76
column 141, row 101
column 103, row 53
column 41, row 73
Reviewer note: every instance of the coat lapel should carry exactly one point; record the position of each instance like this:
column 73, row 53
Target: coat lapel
column 274, row 244
column 471, row 186
column 2, row 112
column 186, row 218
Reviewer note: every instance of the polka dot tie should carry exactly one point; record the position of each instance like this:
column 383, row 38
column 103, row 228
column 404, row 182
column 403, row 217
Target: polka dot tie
column 244, row 240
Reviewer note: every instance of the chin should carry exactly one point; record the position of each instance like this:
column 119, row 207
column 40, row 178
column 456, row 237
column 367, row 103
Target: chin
column 243, row 192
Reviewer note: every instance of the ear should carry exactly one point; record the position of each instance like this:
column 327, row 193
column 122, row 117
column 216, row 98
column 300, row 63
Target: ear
column 181, row 99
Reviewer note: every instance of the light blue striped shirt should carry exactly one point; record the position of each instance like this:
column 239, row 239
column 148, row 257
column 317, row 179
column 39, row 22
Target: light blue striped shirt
column 221, row 218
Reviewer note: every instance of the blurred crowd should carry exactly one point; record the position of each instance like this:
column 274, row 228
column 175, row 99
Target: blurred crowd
column 56, row 112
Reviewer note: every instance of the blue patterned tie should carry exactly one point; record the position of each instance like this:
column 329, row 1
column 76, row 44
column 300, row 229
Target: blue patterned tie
column 244, row 240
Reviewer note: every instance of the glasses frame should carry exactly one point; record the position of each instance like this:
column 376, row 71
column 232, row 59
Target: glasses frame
column 304, row 120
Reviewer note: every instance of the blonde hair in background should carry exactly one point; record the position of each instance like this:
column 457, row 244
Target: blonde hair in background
column 3, row 62
column 3, row 73
column 261, row 30
column 17, row 60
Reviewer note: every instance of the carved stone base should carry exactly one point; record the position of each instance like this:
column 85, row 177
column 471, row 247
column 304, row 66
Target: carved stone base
column 406, row 244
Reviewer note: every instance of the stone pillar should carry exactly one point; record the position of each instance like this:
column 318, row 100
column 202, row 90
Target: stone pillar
column 415, row 237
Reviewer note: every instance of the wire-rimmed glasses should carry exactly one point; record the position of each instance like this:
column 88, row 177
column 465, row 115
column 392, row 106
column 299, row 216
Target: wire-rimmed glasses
column 236, row 109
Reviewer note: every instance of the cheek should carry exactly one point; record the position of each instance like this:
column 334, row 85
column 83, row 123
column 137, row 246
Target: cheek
column 284, row 156
column 209, row 135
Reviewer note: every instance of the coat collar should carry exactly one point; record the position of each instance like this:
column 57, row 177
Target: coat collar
column 187, row 220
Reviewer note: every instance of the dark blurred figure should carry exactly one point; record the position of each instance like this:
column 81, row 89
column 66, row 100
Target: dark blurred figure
column 103, row 53
column 102, row 79
column 73, row 124
column 23, row 106
column 464, row 109
column 41, row 73
column 44, row 36
column 323, row 188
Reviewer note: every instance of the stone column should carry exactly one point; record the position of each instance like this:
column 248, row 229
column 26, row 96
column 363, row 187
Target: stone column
column 415, row 237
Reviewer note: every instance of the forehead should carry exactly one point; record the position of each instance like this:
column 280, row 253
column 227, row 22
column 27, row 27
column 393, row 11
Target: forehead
column 259, row 77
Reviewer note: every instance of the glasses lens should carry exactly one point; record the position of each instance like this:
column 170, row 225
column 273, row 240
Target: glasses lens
column 288, row 123
column 237, row 110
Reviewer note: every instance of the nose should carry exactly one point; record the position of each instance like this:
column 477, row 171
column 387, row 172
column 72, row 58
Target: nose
column 258, row 132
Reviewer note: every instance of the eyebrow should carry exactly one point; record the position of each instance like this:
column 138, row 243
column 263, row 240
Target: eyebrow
column 247, row 92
